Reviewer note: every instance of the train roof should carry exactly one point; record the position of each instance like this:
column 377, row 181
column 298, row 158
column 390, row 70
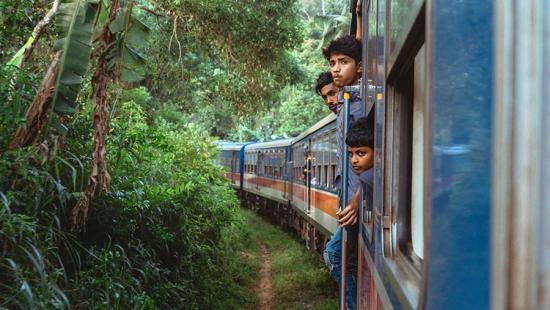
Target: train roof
column 229, row 146
column 320, row 124
column 270, row 144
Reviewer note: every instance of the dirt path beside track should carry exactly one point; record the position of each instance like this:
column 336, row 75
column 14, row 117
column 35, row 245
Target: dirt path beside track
column 265, row 289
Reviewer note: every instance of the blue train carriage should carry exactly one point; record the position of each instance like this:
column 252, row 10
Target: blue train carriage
column 520, row 180
column 425, row 238
column 230, row 157
column 312, row 194
column 265, row 179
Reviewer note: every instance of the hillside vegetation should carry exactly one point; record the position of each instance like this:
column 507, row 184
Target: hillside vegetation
column 109, row 198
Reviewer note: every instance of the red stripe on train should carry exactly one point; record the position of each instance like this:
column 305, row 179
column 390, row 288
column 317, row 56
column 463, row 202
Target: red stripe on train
column 321, row 200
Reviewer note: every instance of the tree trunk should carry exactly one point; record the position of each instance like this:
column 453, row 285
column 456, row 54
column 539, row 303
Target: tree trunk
column 38, row 113
column 99, row 176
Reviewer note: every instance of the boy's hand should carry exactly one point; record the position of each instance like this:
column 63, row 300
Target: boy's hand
column 348, row 216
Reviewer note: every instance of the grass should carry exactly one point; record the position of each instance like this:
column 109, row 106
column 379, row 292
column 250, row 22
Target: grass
column 300, row 279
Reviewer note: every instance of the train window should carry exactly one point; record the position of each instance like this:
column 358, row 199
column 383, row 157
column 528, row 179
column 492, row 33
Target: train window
column 333, row 157
column 417, row 186
column 405, row 133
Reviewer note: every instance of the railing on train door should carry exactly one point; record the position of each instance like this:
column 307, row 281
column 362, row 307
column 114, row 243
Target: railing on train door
column 344, row 197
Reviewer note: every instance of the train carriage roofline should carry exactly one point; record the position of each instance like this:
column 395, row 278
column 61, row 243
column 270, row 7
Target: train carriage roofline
column 229, row 146
column 320, row 124
column 269, row 145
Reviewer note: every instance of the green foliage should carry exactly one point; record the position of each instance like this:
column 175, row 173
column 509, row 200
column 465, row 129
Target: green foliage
column 17, row 88
column 301, row 109
column 36, row 251
column 162, row 236
column 296, row 106
column 225, row 59
column 334, row 26
column 295, row 270
column 17, row 20
column 75, row 21
column 169, row 209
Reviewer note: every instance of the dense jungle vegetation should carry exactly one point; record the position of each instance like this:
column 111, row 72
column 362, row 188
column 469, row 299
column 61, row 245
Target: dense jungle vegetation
column 109, row 197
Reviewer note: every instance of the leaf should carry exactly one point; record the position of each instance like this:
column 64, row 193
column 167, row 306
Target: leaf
column 132, row 66
column 75, row 21
column 138, row 34
column 118, row 24
column 18, row 57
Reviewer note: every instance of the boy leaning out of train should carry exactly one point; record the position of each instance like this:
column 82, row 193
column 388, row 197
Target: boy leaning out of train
column 360, row 142
column 328, row 91
column 344, row 57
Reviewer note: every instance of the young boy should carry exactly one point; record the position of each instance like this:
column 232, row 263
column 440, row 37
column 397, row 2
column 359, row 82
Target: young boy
column 344, row 57
column 326, row 89
column 360, row 142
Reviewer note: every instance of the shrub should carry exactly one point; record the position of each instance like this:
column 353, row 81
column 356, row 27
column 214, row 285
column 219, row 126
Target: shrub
column 159, row 239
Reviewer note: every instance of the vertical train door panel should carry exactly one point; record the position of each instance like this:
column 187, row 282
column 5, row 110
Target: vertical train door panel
column 233, row 166
column 308, row 176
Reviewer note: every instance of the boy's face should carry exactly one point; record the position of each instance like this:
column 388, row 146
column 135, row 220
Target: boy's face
column 361, row 158
column 345, row 71
column 329, row 93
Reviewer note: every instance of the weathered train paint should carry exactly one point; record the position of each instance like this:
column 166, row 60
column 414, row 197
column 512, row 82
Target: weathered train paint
column 460, row 77
column 521, row 174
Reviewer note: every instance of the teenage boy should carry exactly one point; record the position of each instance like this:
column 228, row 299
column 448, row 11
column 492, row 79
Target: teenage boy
column 326, row 89
column 360, row 142
column 344, row 57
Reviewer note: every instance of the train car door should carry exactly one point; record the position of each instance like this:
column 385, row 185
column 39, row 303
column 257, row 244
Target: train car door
column 288, row 172
column 308, row 175
column 233, row 166
column 259, row 169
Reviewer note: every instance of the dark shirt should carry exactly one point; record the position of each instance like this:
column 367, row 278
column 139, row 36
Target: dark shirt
column 367, row 180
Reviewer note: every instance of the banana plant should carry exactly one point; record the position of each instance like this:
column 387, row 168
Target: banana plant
column 76, row 20
column 117, row 48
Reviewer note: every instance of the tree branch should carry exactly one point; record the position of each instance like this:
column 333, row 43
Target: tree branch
column 39, row 30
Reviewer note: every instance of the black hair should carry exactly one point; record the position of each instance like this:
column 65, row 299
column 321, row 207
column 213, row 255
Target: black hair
column 361, row 133
column 323, row 80
column 347, row 45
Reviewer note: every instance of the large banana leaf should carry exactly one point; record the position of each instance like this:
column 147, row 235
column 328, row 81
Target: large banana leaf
column 75, row 21
column 131, row 42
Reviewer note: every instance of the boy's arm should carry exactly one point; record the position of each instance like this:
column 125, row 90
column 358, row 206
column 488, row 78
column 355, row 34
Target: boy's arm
column 359, row 26
column 348, row 216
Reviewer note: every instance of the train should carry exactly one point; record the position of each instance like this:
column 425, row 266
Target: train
column 459, row 216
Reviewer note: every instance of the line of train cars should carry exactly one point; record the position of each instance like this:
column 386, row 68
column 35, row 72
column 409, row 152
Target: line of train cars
column 460, row 214
column 272, row 178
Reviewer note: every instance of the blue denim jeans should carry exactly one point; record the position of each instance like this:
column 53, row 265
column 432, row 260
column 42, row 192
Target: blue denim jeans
column 333, row 260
